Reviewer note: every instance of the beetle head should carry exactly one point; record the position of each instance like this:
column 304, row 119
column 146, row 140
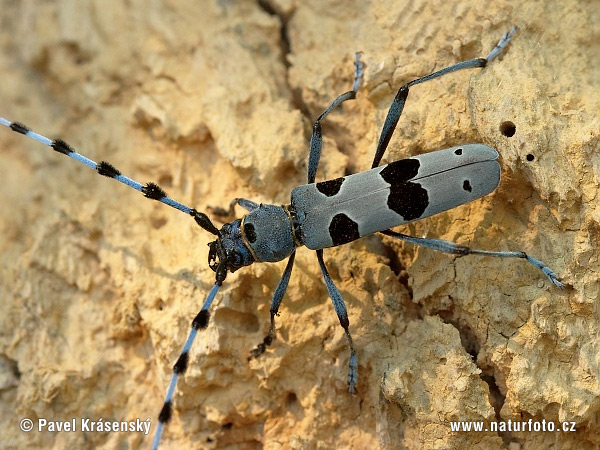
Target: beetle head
column 229, row 252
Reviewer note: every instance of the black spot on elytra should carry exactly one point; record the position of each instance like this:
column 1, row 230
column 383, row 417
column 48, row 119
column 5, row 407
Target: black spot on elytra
column 343, row 229
column 458, row 151
column 331, row 187
column 400, row 171
column 409, row 199
column 467, row 186
column 250, row 232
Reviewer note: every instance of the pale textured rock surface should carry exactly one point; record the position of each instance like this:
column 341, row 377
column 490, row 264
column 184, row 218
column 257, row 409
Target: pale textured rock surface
column 98, row 286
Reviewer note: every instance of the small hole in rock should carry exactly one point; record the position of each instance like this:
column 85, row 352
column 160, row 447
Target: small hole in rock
column 508, row 128
column 291, row 398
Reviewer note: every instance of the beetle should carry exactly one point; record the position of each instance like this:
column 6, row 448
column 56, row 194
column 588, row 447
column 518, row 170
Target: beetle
column 331, row 213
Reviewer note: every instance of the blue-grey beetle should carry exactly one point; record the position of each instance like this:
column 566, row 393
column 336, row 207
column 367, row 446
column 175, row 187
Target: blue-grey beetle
column 331, row 213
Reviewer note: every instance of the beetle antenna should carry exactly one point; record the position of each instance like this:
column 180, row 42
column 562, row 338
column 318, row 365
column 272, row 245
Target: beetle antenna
column 200, row 322
column 150, row 190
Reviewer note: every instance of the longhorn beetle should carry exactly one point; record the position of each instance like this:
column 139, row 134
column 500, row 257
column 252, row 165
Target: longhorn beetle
column 331, row 213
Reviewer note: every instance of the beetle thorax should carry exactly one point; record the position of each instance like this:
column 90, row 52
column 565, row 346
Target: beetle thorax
column 268, row 232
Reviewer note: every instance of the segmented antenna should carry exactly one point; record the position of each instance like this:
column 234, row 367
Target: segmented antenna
column 155, row 192
column 149, row 190
column 199, row 323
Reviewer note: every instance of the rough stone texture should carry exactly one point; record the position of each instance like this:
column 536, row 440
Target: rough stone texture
column 98, row 286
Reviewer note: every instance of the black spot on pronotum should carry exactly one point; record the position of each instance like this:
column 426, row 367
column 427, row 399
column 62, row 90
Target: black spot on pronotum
column 331, row 187
column 62, row 147
column 153, row 191
column 343, row 229
column 165, row 413
column 467, row 186
column 508, row 128
column 530, row 157
column 107, row 169
column 19, row 127
column 409, row 199
column 249, row 232
column 458, row 151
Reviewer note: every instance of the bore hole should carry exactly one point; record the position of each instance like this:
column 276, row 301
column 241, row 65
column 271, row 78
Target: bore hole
column 530, row 157
column 508, row 128
column 458, row 151
column 291, row 398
